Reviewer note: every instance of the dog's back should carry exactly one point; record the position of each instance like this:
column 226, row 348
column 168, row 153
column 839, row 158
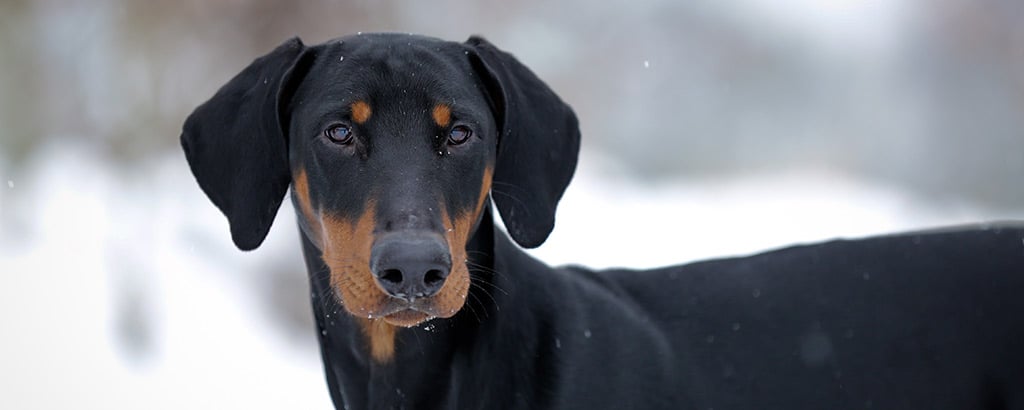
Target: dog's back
column 916, row 321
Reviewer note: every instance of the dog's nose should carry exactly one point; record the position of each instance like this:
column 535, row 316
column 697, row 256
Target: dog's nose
column 410, row 265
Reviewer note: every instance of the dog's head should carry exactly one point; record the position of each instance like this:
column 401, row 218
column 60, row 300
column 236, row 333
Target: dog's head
column 392, row 145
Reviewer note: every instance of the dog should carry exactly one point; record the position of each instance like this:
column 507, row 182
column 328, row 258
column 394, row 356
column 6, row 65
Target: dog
column 394, row 148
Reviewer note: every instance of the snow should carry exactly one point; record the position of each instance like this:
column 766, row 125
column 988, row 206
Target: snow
column 86, row 236
column 871, row 25
column 606, row 220
column 77, row 237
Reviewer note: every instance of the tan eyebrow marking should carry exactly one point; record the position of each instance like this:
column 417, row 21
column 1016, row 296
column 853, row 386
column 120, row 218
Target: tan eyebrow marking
column 360, row 111
column 442, row 115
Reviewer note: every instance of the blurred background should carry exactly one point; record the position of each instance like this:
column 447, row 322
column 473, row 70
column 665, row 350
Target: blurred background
column 711, row 128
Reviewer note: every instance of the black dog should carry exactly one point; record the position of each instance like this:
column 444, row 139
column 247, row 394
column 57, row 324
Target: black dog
column 394, row 145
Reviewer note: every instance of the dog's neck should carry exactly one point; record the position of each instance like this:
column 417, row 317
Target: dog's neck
column 422, row 358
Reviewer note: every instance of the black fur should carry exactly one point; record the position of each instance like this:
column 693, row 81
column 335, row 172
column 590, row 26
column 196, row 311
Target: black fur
column 235, row 144
column 537, row 129
column 928, row 320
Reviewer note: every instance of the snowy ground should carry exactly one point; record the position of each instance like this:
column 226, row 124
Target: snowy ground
column 92, row 263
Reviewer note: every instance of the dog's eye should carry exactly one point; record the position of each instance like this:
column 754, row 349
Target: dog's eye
column 339, row 134
column 459, row 134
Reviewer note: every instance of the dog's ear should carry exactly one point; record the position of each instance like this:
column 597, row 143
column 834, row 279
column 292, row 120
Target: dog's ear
column 538, row 143
column 237, row 147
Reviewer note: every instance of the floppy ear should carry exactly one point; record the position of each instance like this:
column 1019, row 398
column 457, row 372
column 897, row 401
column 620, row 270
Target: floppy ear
column 538, row 143
column 237, row 146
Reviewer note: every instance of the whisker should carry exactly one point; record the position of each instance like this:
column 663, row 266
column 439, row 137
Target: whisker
column 521, row 190
column 418, row 341
column 493, row 301
column 486, row 270
column 469, row 305
column 479, row 267
column 325, row 295
column 479, row 281
column 521, row 203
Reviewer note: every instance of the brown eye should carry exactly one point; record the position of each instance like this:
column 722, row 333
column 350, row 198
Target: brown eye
column 339, row 134
column 459, row 134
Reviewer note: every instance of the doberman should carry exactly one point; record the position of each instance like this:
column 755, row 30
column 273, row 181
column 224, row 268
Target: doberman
column 394, row 146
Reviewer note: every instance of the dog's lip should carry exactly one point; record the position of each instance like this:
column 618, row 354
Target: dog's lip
column 408, row 317
column 406, row 313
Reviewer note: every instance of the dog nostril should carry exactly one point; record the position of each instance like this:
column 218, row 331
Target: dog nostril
column 391, row 276
column 410, row 265
column 433, row 278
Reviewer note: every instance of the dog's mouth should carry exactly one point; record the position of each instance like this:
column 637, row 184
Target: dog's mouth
column 407, row 317
column 401, row 277
column 362, row 296
column 405, row 313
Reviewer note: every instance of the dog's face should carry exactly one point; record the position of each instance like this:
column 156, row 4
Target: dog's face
column 391, row 145
column 392, row 162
